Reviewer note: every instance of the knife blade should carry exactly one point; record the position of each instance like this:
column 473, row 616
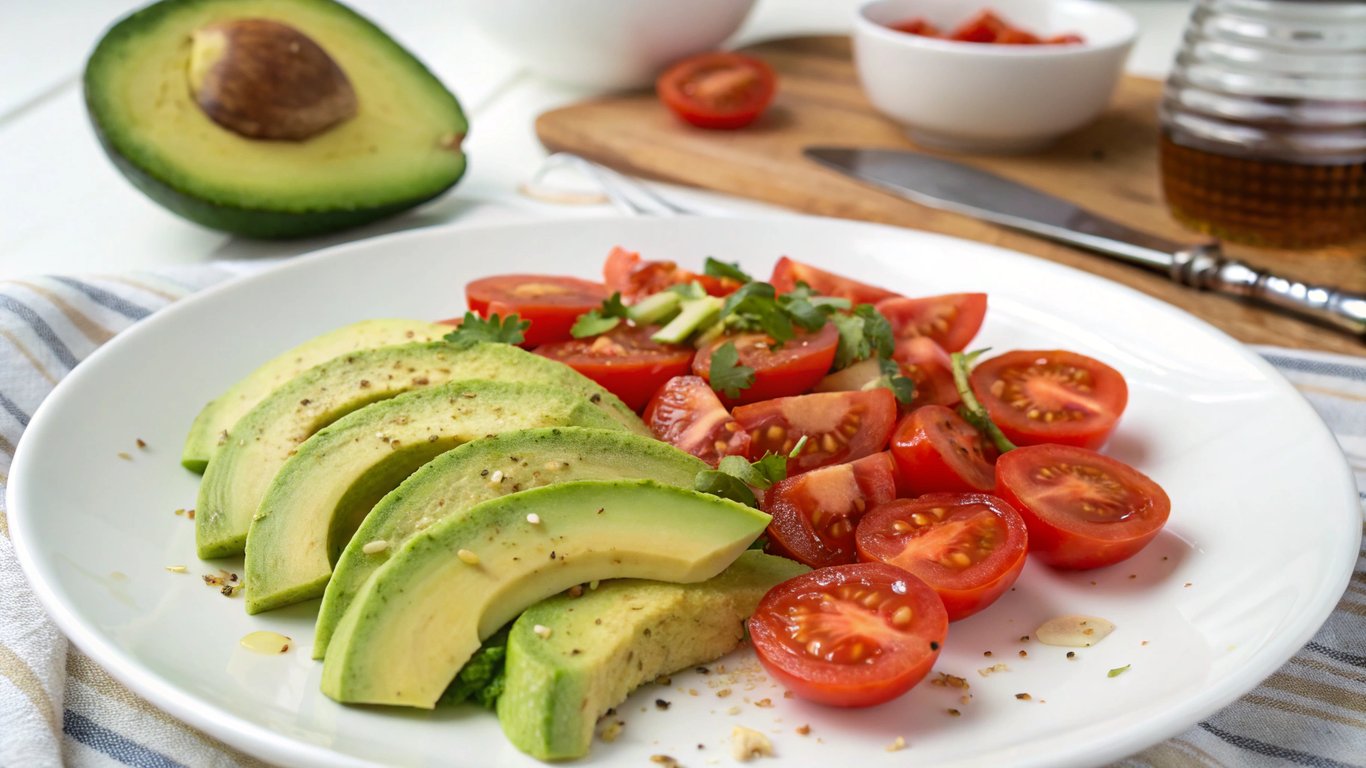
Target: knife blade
column 950, row 186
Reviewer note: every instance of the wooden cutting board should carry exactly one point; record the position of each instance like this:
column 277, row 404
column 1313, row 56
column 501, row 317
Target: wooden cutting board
column 1110, row 167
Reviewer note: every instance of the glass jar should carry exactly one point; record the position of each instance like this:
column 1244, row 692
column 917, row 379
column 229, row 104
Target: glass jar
column 1264, row 122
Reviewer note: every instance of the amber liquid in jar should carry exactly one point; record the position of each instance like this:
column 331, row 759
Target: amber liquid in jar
column 1260, row 201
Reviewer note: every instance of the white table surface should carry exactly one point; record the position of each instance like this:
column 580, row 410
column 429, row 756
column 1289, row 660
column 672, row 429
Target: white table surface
column 63, row 207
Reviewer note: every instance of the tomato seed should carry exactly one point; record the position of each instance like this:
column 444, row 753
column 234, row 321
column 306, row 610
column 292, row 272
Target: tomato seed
column 903, row 616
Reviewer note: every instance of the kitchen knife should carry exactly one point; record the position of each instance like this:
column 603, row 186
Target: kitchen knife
column 955, row 187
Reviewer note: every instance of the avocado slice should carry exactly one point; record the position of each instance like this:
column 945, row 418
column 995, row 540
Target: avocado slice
column 423, row 614
column 457, row 480
column 324, row 491
column 211, row 427
column 264, row 439
column 607, row 642
column 176, row 95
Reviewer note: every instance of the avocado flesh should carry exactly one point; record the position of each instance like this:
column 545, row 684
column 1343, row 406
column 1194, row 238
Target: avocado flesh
column 402, row 148
column 322, row 493
column 211, row 427
column 423, row 614
column 264, row 439
column 609, row 641
column 457, row 480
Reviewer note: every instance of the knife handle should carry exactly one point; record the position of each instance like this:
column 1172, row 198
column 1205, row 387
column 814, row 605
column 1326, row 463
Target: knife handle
column 1206, row 268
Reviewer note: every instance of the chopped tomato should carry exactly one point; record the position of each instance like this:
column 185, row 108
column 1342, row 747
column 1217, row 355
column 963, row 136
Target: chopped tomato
column 550, row 303
column 717, row 90
column 917, row 26
column 839, row 426
column 1051, row 396
column 850, row 635
column 937, row 451
column 929, row 367
column 1083, row 510
column 635, row 278
column 624, row 361
column 686, row 413
column 969, row 547
column 788, row 272
column 951, row 320
column 815, row 513
column 791, row 369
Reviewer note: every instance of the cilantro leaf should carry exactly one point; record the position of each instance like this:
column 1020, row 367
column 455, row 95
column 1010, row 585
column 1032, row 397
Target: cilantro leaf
column 971, row 408
column 863, row 334
column 613, row 307
column 593, row 324
column 716, row 268
column 877, row 330
column 473, row 330
column 725, row 485
column 802, row 312
column 727, row 375
column 736, row 479
column 902, row 387
column 755, row 307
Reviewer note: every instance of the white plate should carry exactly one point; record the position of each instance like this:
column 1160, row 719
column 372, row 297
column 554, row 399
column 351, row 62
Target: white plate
column 1262, row 538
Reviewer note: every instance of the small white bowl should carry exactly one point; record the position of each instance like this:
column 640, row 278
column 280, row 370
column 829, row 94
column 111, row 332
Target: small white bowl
column 987, row 97
column 606, row 44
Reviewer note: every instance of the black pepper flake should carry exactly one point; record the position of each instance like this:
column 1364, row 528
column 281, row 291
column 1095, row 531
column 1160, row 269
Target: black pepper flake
column 1071, row 654
column 1024, row 638
column 663, row 704
column 954, row 713
column 552, row 554
column 305, row 401
column 364, row 383
column 986, row 653
column 141, row 443
column 595, row 399
column 934, row 646
column 1023, row 696
column 483, row 473
column 1024, row 654
column 704, row 670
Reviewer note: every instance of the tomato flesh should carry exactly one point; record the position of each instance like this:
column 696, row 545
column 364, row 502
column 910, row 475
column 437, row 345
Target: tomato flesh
column 550, row 302
column 791, row 369
column 950, row 320
column 937, row 451
column 686, row 413
column 788, row 272
column 969, row 547
column 850, row 635
column 839, row 426
column 815, row 513
column 1083, row 510
column 624, row 361
column 930, row 369
column 1051, row 396
column 625, row 272
column 717, row 90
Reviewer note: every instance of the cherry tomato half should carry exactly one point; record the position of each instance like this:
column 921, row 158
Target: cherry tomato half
column 1051, row 396
column 929, row 367
column 551, row 303
column 969, row 547
column 791, row 369
column 717, row 90
column 635, row 278
column 815, row 513
column 624, row 361
column 1083, row 510
column 686, row 413
column 839, row 426
column 850, row 635
column 950, row 320
column 788, row 272
column 937, row 451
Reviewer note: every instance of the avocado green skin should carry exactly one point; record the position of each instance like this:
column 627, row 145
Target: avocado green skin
column 423, row 614
column 611, row 640
column 454, row 481
column 340, row 473
column 255, row 222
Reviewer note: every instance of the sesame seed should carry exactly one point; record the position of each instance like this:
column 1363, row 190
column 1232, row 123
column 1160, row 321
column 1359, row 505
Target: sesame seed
column 497, row 476
column 898, row 744
column 375, row 547
column 467, row 557
column 533, row 518
column 541, row 630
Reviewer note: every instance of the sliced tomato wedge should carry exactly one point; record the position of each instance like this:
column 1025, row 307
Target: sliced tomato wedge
column 791, row 369
column 1083, row 510
column 635, row 278
column 686, row 413
column 551, row 303
column 788, row 272
column 839, row 426
column 1051, row 396
column 937, row 451
column 815, row 513
column 969, row 547
column 850, row 635
column 717, row 90
column 951, row 320
column 624, row 361
column 929, row 367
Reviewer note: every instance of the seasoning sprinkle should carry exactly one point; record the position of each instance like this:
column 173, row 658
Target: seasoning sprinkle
column 541, row 630
column 177, row 568
column 898, row 744
column 497, row 476
column 375, row 547
column 533, row 518
column 467, row 557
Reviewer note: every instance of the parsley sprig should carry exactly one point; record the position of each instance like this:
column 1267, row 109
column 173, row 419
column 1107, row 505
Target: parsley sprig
column 972, row 409
column 602, row 319
column 498, row 330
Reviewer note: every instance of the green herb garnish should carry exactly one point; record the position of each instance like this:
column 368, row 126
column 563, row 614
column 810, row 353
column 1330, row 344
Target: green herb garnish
column 715, row 268
column 902, row 387
column 727, row 375
column 972, row 409
column 736, row 479
column 481, row 680
column 1117, row 671
column 602, row 319
column 474, row 329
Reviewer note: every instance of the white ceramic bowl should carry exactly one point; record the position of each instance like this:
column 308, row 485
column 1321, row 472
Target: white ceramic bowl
column 986, row 97
column 605, row 44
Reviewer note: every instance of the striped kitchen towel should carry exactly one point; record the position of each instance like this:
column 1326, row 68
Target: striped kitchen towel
column 57, row 707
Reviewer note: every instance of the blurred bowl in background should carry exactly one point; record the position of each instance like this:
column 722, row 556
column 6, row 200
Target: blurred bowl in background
column 991, row 97
column 608, row 44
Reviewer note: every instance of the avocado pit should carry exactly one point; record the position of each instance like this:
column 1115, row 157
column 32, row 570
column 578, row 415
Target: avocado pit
column 265, row 80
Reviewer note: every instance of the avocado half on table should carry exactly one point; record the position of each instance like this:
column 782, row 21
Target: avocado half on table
column 271, row 118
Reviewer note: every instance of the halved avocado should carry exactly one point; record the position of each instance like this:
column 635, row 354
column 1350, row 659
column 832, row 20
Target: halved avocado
column 271, row 118
column 423, row 614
